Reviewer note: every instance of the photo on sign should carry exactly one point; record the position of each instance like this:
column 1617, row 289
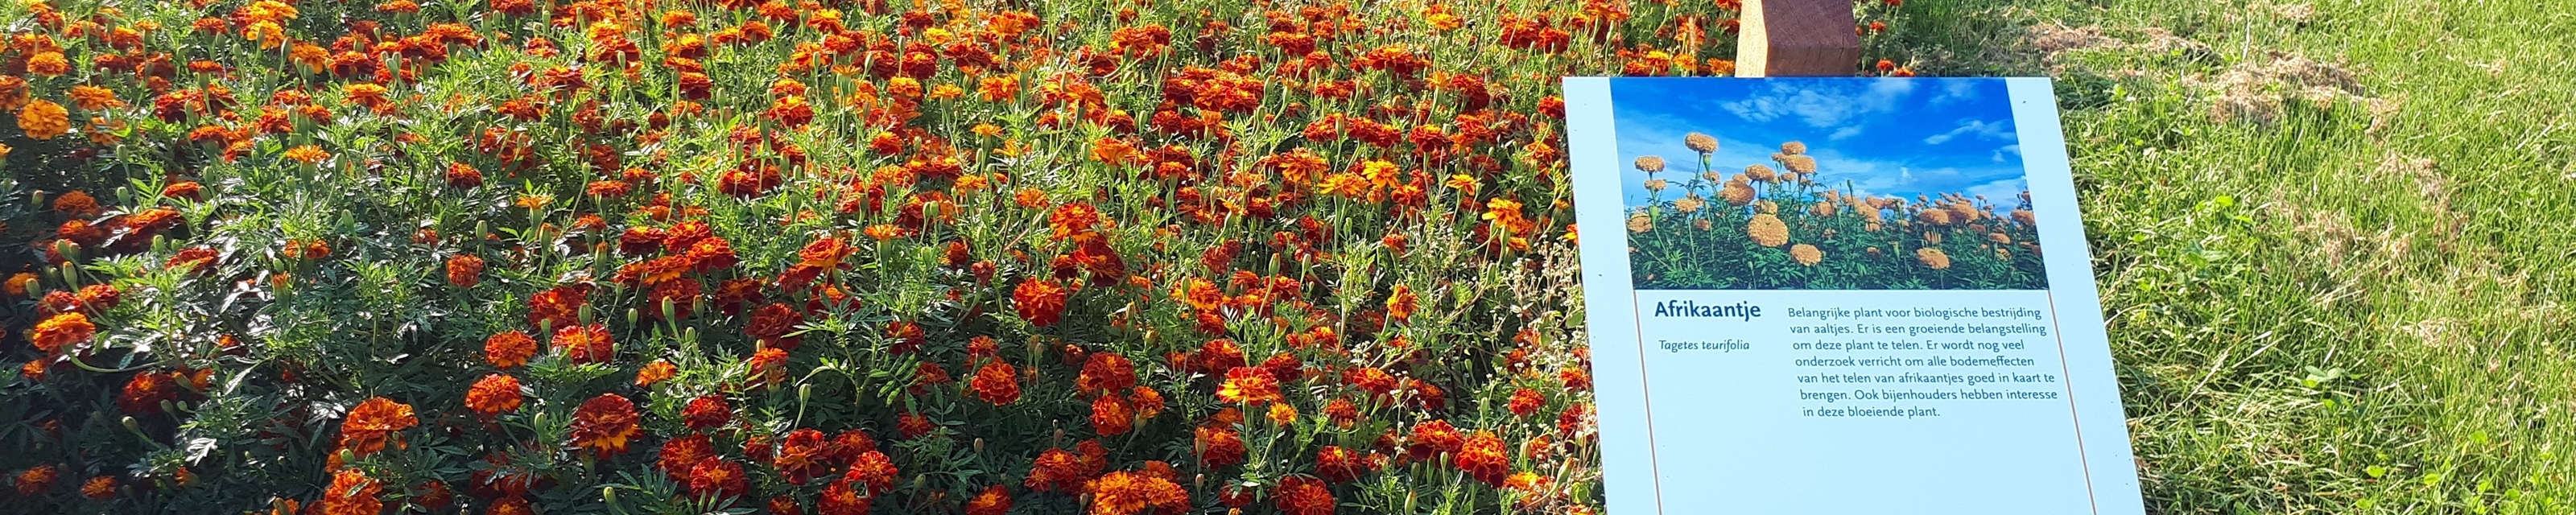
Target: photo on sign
column 1824, row 184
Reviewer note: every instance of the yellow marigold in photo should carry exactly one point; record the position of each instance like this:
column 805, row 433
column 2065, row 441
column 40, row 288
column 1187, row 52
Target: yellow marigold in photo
column 1702, row 143
column 1640, row 223
column 1650, row 164
column 1932, row 237
column 1998, row 237
column 307, row 154
column 1703, row 224
column 1932, row 257
column 2003, row 255
column 1736, row 193
column 1806, row 254
column 1761, row 173
column 1767, row 230
column 2019, row 216
column 1655, row 184
column 1712, row 176
column 1822, row 209
column 44, row 119
column 1689, row 204
column 1793, row 148
column 1934, row 216
column 1799, row 164
column 1767, row 207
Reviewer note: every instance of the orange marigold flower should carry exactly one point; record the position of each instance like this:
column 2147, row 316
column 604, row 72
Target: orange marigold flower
column 1105, row 373
column 1130, row 493
column 144, row 392
column 62, row 329
column 586, row 343
column 1527, row 401
column 657, row 371
column 1430, row 439
column 509, row 349
column 769, row 365
column 1806, row 254
column 1401, row 304
column 494, row 395
column 44, row 120
column 996, row 382
column 36, row 480
column 99, row 487
column 995, row 500
column 459, row 175
column 352, row 493
column 604, row 423
column 1199, row 293
column 465, row 271
column 1249, row 384
column 371, row 423
column 307, row 154
column 1039, row 301
column 1074, row 221
column 1110, row 416
column 1484, row 458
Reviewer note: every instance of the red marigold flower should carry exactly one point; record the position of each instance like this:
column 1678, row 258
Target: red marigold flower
column 1105, row 373
column 371, row 424
column 143, row 394
column 352, row 493
column 493, row 395
column 994, row 501
column 99, row 487
column 707, row 412
column 873, row 469
column 1526, row 401
column 1370, row 379
column 719, row 477
column 1146, row 401
column 604, row 423
column 1200, row 294
column 1340, row 465
column 36, row 480
column 1342, row 412
column 509, row 348
column 1039, row 300
column 680, row 454
column 197, row 260
column 465, row 271
column 1301, row 495
column 560, row 306
column 586, row 343
column 1219, row 355
column 1484, row 458
column 1218, row 446
column 1130, row 493
column 62, row 329
column 1110, row 416
column 1432, row 438
column 785, row 505
column 802, row 456
column 997, row 383
column 842, row 499
column 1248, row 385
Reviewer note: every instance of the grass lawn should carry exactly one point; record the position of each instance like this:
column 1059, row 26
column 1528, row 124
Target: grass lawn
column 2331, row 239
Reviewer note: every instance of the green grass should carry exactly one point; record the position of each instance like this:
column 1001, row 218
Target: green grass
column 2356, row 306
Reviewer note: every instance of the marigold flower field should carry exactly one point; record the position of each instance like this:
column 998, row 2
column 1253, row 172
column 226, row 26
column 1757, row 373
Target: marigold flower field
column 629, row 256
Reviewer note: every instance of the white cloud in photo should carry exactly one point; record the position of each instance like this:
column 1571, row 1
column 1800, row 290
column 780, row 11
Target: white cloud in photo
column 1821, row 107
column 1979, row 129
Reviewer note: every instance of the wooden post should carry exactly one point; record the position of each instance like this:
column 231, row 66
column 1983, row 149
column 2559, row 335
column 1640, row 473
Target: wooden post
column 1791, row 38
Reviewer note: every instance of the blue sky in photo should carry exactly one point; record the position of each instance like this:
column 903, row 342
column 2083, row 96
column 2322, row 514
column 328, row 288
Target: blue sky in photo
column 1881, row 136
